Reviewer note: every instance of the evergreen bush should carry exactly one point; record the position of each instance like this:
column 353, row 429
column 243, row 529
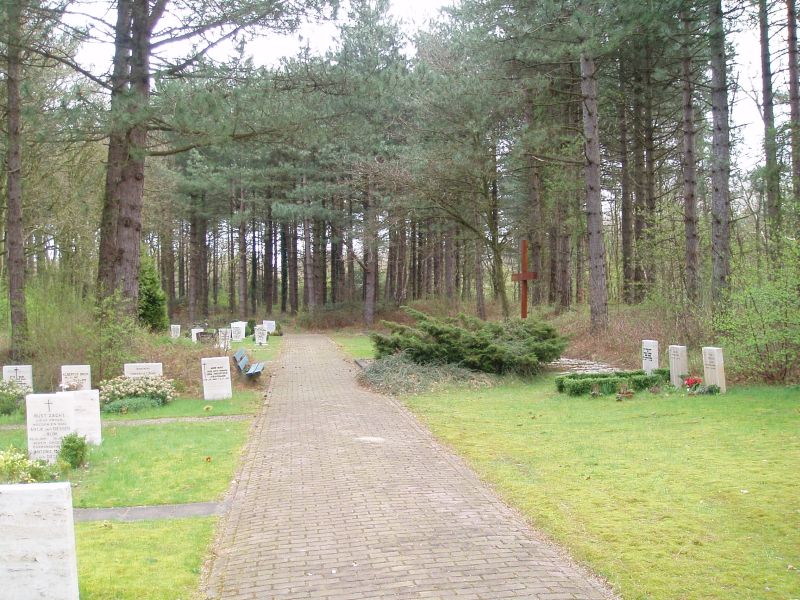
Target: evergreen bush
column 74, row 450
column 152, row 309
column 515, row 346
column 582, row 384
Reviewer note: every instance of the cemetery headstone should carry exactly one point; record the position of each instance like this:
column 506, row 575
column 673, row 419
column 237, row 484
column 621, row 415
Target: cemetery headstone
column 206, row 337
column 76, row 377
column 714, row 368
column 678, row 365
column 224, row 338
column 38, row 542
column 237, row 331
column 649, row 356
column 270, row 325
column 137, row 370
column 194, row 333
column 261, row 335
column 216, row 378
column 21, row 374
column 48, row 420
column 85, row 406
column 175, row 331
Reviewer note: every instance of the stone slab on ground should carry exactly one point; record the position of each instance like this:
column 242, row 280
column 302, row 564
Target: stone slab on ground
column 342, row 494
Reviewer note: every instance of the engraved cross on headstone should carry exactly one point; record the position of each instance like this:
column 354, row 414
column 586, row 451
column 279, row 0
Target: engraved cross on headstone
column 49, row 405
column 524, row 276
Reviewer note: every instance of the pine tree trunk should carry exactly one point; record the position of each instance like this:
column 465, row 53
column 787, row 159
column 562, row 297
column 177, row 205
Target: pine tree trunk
column 480, row 300
column 309, row 295
column 231, row 262
column 268, row 261
column 293, row 269
column 598, row 292
column 14, row 227
column 284, row 266
column 552, row 247
column 413, row 262
column 215, row 266
column 449, row 266
column 720, row 156
column 794, row 106
column 772, row 170
column 253, row 267
column 689, row 174
column 401, row 279
column 370, row 256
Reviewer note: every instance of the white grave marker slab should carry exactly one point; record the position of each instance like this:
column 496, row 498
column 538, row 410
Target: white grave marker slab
column 678, row 365
column 76, row 377
column 194, row 333
column 237, row 331
column 224, row 338
column 175, row 331
column 22, row 374
column 649, row 356
column 137, row 370
column 714, row 368
column 216, row 378
column 270, row 325
column 261, row 335
column 49, row 418
column 38, row 542
column 85, row 413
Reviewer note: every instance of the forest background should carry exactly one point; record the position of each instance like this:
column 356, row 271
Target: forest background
column 337, row 186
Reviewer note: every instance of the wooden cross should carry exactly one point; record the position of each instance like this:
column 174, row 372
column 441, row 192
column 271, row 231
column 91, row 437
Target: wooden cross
column 524, row 276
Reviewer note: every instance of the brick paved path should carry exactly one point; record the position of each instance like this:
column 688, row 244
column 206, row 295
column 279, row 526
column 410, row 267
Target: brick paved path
column 343, row 495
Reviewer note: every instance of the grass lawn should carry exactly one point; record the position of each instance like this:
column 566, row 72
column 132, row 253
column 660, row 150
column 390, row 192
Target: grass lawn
column 242, row 403
column 666, row 496
column 155, row 464
column 150, row 560
column 354, row 345
column 260, row 353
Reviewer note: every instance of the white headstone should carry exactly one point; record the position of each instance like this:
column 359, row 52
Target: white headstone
column 714, row 368
column 22, row 374
column 175, row 331
column 237, row 331
column 85, row 407
column 649, row 356
column 194, row 333
column 76, row 377
column 216, row 378
column 261, row 335
column 38, row 542
column 678, row 365
column 224, row 338
column 48, row 420
column 137, row 370
column 270, row 325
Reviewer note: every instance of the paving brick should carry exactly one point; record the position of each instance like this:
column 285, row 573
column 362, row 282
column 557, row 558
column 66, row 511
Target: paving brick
column 342, row 494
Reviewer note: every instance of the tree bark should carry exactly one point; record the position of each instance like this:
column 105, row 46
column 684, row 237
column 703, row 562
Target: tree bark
column 598, row 292
column 293, row 274
column 794, row 106
column 370, row 256
column 268, row 261
column 720, row 156
column 772, row 170
column 242, row 260
column 14, row 228
column 689, row 173
column 480, row 301
column 284, row 265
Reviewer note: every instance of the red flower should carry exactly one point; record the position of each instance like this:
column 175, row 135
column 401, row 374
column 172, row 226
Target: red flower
column 692, row 382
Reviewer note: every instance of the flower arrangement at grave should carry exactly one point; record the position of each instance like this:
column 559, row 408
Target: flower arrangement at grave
column 12, row 396
column 122, row 394
column 692, row 384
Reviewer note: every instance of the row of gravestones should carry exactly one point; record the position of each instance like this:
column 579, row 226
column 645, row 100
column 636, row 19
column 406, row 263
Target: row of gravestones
column 37, row 544
column 234, row 333
column 713, row 364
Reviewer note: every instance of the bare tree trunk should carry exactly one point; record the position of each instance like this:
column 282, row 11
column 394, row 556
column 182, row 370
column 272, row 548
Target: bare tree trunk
column 215, row 266
column 720, row 156
column 253, row 266
column 772, row 171
column 480, row 301
column 552, row 247
column 14, row 229
column 449, row 266
column 598, row 292
column 401, row 279
column 794, row 105
column 413, row 272
column 231, row 261
column 284, row 265
column 309, row 296
column 689, row 174
column 293, row 270
column 242, row 260
column 370, row 256
column 268, row 261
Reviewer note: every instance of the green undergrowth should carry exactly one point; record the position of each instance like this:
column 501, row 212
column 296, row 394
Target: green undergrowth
column 354, row 345
column 397, row 375
column 149, row 560
column 667, row 496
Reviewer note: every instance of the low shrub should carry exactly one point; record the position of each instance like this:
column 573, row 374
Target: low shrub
column 16, row 467
column 74, row 450
column 514, row 346
column 132, row 404
column 12, row 396
column 250, row 328
column 582, row 384
column 396, row 374
column 159, row 389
